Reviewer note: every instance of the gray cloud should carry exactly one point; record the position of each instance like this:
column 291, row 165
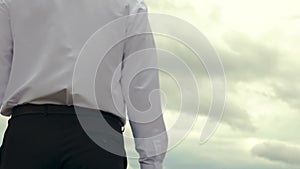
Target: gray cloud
column 289, row 93
column 234, row 115
column 215, row 155
column 286, row 86
column 255, row 61
column 237, row 118
column 277, row 152
column 248, row 59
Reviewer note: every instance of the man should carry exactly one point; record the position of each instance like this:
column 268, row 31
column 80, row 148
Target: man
column 40, row 45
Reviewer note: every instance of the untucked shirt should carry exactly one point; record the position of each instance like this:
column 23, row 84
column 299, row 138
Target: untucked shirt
column 42, row 61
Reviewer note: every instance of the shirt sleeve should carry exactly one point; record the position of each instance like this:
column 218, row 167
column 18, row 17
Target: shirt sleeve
column 6, row 47
column 140, row 86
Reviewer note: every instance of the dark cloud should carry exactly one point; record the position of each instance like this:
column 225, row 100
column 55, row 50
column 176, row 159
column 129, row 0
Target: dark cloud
column 277, row 152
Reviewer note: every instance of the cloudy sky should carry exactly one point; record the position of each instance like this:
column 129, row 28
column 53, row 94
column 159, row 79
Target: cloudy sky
column 257, row 42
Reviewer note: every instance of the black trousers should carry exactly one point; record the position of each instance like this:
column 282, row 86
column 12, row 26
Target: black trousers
column 54, row 139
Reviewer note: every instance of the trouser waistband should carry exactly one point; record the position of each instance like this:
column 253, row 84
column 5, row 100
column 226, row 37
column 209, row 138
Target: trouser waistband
column 47, row 109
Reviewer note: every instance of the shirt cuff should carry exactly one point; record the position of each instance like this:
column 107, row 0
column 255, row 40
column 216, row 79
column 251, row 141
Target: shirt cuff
column 156, row 165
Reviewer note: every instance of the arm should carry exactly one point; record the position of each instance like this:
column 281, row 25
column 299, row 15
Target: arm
column 6, row 48
column 140, row 84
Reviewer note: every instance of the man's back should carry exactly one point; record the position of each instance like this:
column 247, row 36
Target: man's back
column 47, row 38
column 41, row 41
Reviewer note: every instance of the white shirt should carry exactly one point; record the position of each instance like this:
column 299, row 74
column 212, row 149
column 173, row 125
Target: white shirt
column 40, row 42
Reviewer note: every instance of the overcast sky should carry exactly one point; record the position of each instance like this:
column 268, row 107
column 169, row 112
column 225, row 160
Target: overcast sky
column 258, row 43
